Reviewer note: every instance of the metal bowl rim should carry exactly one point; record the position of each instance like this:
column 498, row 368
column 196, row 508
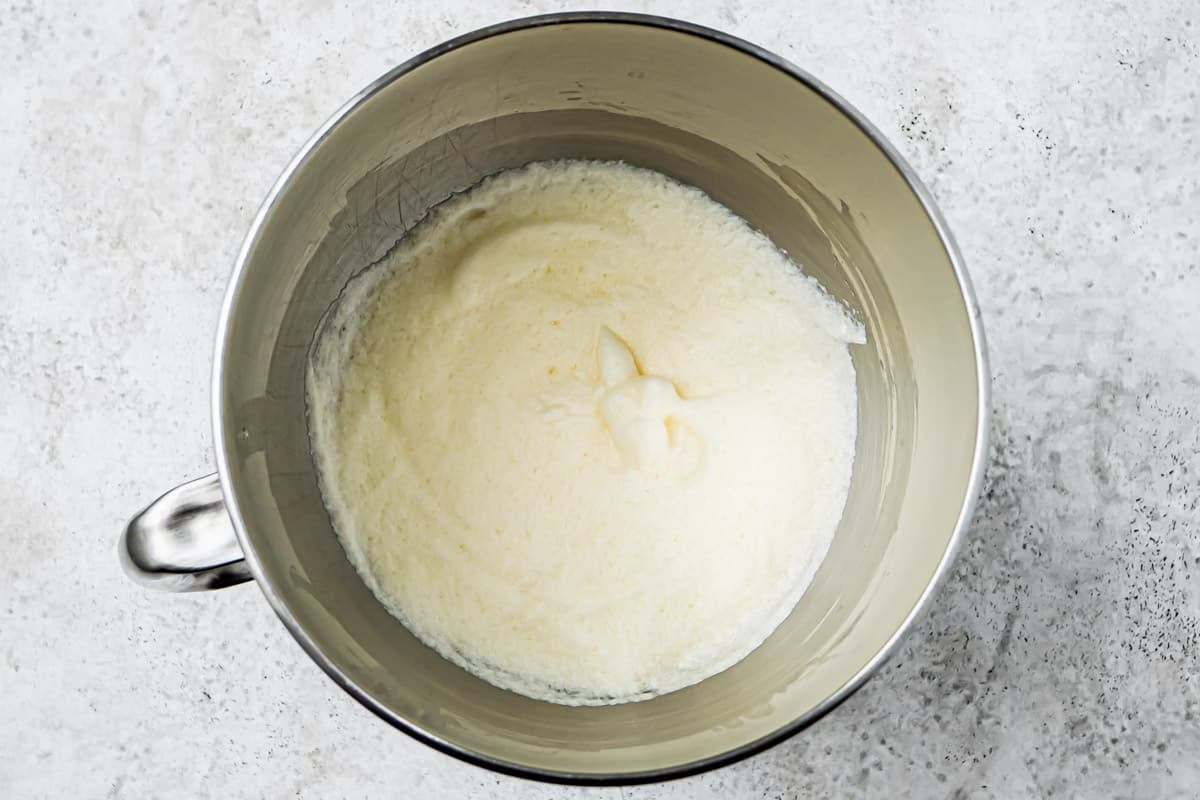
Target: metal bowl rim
column 966, row 511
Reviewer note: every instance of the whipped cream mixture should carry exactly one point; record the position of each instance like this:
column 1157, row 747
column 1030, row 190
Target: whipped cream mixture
column 585, row 433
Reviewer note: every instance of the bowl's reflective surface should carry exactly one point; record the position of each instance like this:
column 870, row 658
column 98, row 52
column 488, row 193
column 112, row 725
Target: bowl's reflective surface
column 759, row 138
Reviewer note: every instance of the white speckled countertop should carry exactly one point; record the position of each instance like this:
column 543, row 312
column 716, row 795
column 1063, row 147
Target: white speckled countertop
column 1062, row 139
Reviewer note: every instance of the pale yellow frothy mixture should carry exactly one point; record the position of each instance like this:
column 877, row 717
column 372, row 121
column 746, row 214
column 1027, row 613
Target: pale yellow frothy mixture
column 586, row 433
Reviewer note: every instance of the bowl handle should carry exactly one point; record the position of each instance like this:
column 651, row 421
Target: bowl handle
column 184, row 541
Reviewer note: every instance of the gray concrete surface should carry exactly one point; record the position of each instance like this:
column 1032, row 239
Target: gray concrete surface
column 1062, row 658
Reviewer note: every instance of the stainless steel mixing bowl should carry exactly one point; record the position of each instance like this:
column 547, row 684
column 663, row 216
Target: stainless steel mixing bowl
column 760, row 136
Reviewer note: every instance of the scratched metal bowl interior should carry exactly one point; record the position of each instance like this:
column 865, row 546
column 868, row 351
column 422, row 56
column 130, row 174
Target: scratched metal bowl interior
column 758, row 137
